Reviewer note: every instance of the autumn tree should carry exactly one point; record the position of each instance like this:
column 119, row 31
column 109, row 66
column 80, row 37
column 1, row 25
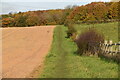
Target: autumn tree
column 113, row 10
column 32, row 19
column 7, row 22
column 20, row 20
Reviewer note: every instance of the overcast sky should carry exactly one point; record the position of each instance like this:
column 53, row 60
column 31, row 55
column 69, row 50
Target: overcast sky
column 53, row 0
column 31, row 5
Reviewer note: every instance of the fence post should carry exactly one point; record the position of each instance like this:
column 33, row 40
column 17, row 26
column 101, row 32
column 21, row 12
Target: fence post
column 119, row 47
column 116, row 50
column 111, row 47
column 105, row 47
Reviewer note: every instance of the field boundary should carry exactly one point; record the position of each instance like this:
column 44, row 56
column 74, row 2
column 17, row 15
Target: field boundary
column 108, row 49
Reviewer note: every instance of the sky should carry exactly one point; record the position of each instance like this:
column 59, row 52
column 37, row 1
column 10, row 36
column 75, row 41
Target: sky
column 14, row 6
column 52, row 0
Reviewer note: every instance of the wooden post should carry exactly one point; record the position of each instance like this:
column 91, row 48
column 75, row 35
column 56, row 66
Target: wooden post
column 100, row 47
column 119, row 48
column 108, row 47
column 116, row 48
column 111, row 47
column 105, row 47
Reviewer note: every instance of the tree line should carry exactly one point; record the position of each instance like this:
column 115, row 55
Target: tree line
column 93, row 12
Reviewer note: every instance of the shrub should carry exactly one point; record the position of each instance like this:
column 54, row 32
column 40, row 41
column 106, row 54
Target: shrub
column 7, row 22
column 71, row 32
column 32, row 20
column 20, row 20
column 88, row 41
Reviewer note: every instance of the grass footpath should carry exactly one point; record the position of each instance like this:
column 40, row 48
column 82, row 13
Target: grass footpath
column 61, row 62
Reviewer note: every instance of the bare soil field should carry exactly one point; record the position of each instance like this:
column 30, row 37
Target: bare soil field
column 24, row 49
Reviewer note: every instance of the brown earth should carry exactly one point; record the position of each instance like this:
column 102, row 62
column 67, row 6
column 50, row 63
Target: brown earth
column 24, row 49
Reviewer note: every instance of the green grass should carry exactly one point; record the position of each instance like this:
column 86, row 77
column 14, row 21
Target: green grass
column 109, row 30
column 61, row 62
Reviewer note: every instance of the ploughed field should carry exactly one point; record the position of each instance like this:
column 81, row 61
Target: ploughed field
column 24, row 49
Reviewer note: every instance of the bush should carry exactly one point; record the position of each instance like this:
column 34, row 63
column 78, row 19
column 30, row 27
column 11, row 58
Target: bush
column 71, row 32
column 88, row 42
column 7, row 22
column 20, row 20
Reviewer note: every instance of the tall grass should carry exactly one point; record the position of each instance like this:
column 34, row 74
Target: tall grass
column 109, row 30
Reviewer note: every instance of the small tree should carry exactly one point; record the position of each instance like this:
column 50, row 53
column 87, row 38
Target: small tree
column 32, row 20
column 20, row 20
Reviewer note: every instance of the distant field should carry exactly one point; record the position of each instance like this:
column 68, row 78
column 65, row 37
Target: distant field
column 61, row 62
column 109, row 30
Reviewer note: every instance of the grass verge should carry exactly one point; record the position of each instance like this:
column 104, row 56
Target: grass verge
column 61, row 62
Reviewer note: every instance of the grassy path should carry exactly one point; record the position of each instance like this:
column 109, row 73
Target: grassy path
column 61, row 62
